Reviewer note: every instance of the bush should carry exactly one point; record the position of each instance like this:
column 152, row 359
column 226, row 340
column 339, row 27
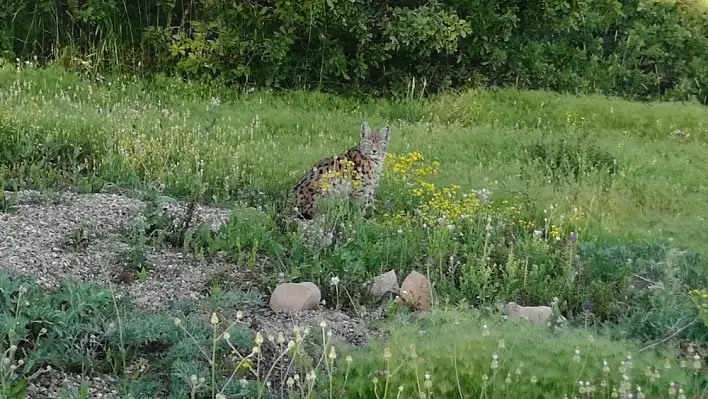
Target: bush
column 643, row 49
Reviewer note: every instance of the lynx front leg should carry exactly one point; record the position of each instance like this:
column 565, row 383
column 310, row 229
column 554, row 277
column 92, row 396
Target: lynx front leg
column 368, row 201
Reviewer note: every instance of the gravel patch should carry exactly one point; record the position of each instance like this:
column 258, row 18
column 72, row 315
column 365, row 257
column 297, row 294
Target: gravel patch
column 81, row 236
column 50, row 383
column 351, row 330
column 37, row 236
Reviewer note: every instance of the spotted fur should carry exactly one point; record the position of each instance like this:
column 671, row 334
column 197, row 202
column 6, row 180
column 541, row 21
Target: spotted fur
column 362, row 165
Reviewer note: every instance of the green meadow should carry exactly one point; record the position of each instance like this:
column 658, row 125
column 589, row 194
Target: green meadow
column 495, row 195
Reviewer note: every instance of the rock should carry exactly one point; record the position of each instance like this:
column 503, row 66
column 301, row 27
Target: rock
column 387, row 282
column 293, row 297
column 415, row 291
column 535, row 314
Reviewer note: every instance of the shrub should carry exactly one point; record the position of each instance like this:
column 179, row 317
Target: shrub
column 642, row 49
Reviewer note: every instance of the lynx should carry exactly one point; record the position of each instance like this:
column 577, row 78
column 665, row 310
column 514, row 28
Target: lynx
column 354, row 174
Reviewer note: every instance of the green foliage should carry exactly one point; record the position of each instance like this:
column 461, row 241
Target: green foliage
column 641, row 49
column 83, row 328
column 562, row 165
column 453, row 353
column 495, row 196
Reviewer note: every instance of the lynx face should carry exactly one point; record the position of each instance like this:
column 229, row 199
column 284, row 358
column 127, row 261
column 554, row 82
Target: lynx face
column 374, row 145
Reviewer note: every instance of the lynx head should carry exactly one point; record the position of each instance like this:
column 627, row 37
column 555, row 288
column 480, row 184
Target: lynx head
column 374, row 145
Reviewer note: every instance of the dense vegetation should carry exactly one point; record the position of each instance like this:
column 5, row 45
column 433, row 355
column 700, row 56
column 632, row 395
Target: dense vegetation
column 525, row 196
column 641, row 49
column 594, row 202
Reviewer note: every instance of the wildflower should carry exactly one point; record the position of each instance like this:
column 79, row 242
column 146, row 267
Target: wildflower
column 697, row 361
column 387, row 353
column 375, row 380
column 495, row 362
column 427, row 382
column 605, row 367
column 239, row 315
column 485, row 331
column 214, row 320
column 334, row 281
column 667, row 363
column 259, row 338
column 573, row 236
column 348, row 359
column 226, row 335
column 243, row 382
column 177, row 322
column 576, row 355
column 311, row 377
column 587, row 306
column 501, row 345
column 507, row 380
column 290, row 382
column 589, row 388
column 655, row 375
column 533, row 379
column 640, row 394
column 332, row 353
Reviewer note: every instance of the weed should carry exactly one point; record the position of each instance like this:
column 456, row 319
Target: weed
column 135, row 263
column 79, row 239
column 8, row 201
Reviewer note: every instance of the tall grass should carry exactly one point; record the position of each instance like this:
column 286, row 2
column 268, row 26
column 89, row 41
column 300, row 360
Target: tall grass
column 135, row 133
column 495, row 196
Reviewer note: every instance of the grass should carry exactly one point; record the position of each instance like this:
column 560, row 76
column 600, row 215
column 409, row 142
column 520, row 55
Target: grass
column 130, row 134
column 495, row 195
column 507, row 360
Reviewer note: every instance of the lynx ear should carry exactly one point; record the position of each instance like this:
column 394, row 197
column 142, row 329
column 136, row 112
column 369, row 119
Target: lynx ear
column 365, row 130
column 385, row 132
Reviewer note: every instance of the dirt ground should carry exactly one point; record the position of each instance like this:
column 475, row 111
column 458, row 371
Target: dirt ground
column 40, row 240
